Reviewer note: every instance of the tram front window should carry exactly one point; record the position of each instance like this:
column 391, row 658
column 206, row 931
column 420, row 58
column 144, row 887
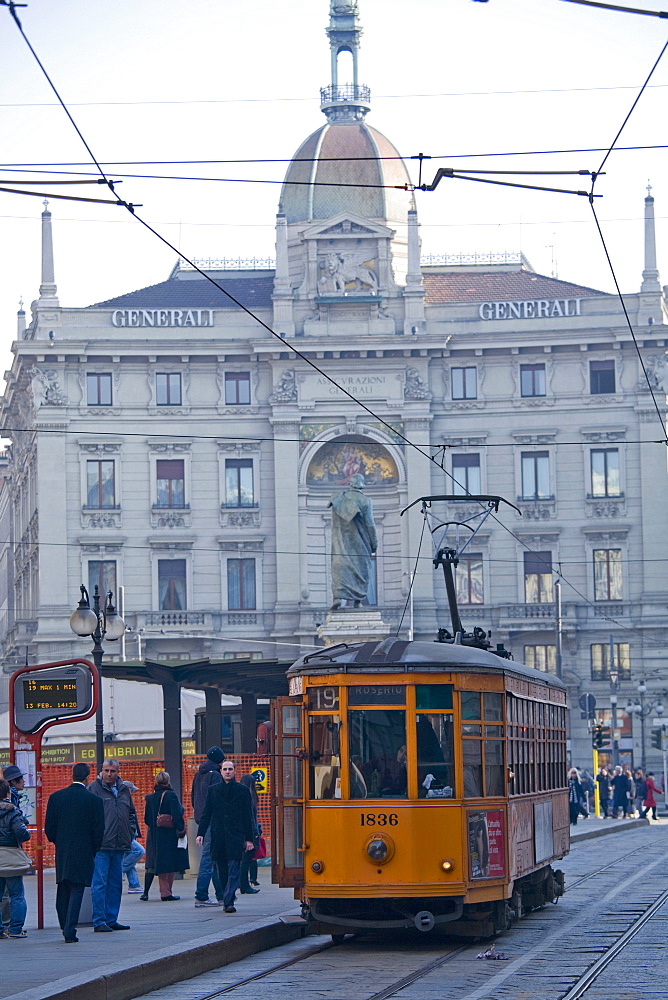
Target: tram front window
column 324, row 750
column 436, row 756
column 377, row 754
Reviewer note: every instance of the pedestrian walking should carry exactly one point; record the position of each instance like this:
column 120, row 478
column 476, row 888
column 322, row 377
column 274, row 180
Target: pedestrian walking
column 631, row 793
column 165, row 825
column 576, row 796
column 587, row 783
column 248, row 872
column 132, row 857
column 603, row 782
column 14, row 775
column 13, row 833
column 228, row 811
column 650, row 799
column 208, row 775
column 120, row 820
column 640, row 791
column 620, row 792
column 75, row 824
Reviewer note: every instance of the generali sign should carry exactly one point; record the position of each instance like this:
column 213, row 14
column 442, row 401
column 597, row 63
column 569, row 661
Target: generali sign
column 162, row 317
column 530, row 309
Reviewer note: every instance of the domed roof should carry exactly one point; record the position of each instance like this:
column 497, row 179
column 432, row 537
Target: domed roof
column 346, row 153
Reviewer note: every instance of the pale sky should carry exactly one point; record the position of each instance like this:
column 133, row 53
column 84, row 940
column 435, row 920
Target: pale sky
column 163, row 80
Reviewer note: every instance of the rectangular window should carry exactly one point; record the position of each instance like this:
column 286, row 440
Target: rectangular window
column 237, row 388
column 101, row 572
column 541, row 658
column 464, row 383
column 98, row 390
column 377, row 754
column 605, row 481
column 466, row 474
column 468, row 579
column 241, row 584
column 171, row 482
column 601, row 377
column 168, row 389
column 239, row 482
column 535, row 475
column 608, row 574
column 435, row 756
column 172, row 584
column 100, row 485
column 600, row 660
column 538, row 578
column 532, row 380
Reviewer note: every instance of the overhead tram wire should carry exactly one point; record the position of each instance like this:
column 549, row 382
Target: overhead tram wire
column 595, row 177
column 618, row 8
column 131, row 208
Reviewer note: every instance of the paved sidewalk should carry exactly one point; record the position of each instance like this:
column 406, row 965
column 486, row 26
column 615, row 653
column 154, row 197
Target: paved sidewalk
column 594, row 826
column 44, row 966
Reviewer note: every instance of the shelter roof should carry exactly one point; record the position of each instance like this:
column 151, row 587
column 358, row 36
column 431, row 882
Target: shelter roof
column 262, row 678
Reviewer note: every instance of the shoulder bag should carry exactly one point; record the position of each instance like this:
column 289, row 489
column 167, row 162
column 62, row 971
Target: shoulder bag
column 13, row 861
column 164, row 819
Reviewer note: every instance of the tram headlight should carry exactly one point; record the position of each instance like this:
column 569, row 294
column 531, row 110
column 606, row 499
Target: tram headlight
column 317, row 867
column 448, row 865
column 379, row 849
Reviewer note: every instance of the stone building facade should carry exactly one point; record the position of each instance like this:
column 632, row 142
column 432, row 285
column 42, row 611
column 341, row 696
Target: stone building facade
column 168, row 443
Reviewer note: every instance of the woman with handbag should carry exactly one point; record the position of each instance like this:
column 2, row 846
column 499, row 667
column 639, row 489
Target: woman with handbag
column 165, row 825
column 14, row 862
column 248, row 870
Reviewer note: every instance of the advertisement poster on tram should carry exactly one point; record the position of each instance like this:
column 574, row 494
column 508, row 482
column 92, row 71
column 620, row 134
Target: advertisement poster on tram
column 487, row 848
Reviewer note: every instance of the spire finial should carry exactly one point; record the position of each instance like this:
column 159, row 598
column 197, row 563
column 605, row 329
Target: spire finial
column 350, row 100
column 649, row 189
column 650, row 275
column 21, row 304
column 46, row 204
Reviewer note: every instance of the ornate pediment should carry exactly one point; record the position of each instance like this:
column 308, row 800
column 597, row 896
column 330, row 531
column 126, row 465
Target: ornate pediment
column 345, row 225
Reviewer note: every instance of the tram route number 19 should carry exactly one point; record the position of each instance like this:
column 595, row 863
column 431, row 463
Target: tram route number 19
column 379, row 819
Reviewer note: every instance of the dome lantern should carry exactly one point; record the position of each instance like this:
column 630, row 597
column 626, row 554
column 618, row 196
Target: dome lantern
column 348, row 101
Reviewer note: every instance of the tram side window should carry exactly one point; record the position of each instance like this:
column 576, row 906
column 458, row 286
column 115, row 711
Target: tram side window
column 324, row 757
column 536, row 745
column 377, row 754
column 482, row 744
column 435, row 756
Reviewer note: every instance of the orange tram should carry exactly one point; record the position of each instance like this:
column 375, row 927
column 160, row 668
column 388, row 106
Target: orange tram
column 420, row 784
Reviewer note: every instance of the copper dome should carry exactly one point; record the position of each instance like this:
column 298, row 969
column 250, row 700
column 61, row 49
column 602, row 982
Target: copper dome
column 346, row 153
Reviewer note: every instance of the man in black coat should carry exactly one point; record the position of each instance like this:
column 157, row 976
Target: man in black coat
column 228, row 811
column 75, row 824
column 208, row 774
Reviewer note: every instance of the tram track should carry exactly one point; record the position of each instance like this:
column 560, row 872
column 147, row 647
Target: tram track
column 517, row 966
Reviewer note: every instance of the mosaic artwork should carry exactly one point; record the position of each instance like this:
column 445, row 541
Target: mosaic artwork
column 336, row 462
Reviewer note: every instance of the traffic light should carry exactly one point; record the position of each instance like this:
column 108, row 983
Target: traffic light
column 596, row 740
column 606, row 737
column 657, row 737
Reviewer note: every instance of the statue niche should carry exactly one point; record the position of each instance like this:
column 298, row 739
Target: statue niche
column 346, row 271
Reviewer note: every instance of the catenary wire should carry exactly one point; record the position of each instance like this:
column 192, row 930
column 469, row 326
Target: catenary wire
column 131, row 208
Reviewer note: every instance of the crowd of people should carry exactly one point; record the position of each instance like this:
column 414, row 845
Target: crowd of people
column 622, row 793
column 96, row 832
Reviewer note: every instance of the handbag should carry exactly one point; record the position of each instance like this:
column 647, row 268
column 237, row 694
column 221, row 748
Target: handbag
column 261, row 849
column 13, row 861
column 165, row 820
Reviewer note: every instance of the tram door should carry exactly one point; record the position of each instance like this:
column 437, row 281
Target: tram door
column 287, row 816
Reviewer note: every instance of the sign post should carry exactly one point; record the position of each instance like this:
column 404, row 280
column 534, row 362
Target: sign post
column 41, row 697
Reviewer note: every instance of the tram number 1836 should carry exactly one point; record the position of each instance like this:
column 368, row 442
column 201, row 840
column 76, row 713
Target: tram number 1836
column 379, row 819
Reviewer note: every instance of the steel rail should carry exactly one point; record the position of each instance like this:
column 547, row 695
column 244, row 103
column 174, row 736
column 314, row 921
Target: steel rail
column 594, row 971
column 585, row 878
column 412, row 977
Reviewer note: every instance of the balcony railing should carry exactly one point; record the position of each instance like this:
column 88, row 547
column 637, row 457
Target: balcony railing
column 343, row 94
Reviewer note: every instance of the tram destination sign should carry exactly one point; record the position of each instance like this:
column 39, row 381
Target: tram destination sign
column 51, row 694
column 377, row 694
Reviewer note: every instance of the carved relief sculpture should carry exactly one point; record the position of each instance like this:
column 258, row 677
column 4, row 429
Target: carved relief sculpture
column 285, row 390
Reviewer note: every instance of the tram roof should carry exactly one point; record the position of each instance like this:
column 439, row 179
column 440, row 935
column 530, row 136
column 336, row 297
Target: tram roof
column 401, row 655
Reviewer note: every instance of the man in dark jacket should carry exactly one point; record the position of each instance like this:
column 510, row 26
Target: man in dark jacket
column 120, row 820
column 228, row 812
column 75, row 824
column 208, row 775
column 14, row 775
column 13, row 833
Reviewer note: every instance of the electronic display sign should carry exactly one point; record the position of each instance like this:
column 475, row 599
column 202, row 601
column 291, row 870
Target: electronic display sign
column 55, row 693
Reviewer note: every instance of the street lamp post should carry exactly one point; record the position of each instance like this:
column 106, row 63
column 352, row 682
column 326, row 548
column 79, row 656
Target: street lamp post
column 87, row 621
column 614, row 679
column 642, row 711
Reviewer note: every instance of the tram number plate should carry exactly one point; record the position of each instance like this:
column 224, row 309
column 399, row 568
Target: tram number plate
column 379, row 819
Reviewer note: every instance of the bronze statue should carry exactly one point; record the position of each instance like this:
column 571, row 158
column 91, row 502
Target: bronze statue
column 354, row 541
